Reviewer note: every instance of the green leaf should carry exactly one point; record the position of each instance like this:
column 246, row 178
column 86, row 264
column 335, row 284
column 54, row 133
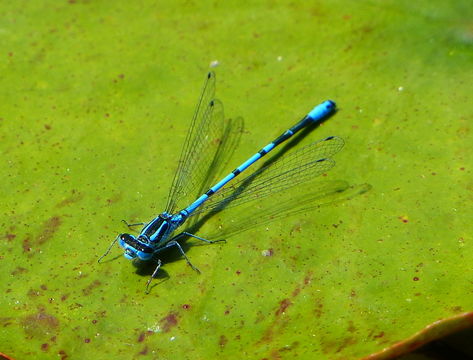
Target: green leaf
column 96, row 100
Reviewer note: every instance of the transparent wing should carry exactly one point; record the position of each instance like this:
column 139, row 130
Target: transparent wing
column 318, row 195
column 205, row 150
column 205, row 127
column 233, row 129
column 227, row 143
column 289, row 171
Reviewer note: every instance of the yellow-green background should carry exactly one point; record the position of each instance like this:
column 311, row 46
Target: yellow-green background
column 96, row 97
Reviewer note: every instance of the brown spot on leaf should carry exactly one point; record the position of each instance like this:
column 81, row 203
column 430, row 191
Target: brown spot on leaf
column 6, row 321
column 351, row 327
column 346, row 342
column 88, row 290
column 169, row 321
column 18, row 270
column 75, row 197
column 33, row 293
column 222, row 341
column 39, row 325
column 404, row 219
column 378, row 336
column 49, row 228
column 114, row 199
column 10, row 236
column 283, row 305
column 318, row 309
column 26, row 244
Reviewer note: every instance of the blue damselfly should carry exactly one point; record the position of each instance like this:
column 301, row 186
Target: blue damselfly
column 198, row 156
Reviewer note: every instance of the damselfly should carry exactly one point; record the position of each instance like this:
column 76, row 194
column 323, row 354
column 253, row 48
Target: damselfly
column 200, row 153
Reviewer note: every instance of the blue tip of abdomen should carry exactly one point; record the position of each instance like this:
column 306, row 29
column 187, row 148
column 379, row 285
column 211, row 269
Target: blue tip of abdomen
column 322, row 110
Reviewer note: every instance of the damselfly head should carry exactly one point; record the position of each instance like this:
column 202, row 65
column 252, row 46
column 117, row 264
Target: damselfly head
column 134, row 248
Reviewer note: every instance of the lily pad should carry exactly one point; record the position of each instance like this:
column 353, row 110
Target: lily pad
column 97, row 98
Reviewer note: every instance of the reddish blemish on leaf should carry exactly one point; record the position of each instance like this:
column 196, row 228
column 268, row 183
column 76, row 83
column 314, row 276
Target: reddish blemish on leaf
column 318, row 309
column 88, row 290
column 18, row 270
column 296, row 291
column 39, row 325
column 33, row 293
column 75, row 197
column 351, row 327
column 346, row 342
column 26, row 244
column 404, row 218
column 222, row 341
column 308, row 278
column 378, row 336
column 49, row 229
column 283, row 305
column 6, row 321
column 141, row 337
column 114, row 199
column 169, row 321
column 279, row 322
column 10, row 236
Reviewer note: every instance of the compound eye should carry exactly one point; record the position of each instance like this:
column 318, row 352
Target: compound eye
column 127, row 238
